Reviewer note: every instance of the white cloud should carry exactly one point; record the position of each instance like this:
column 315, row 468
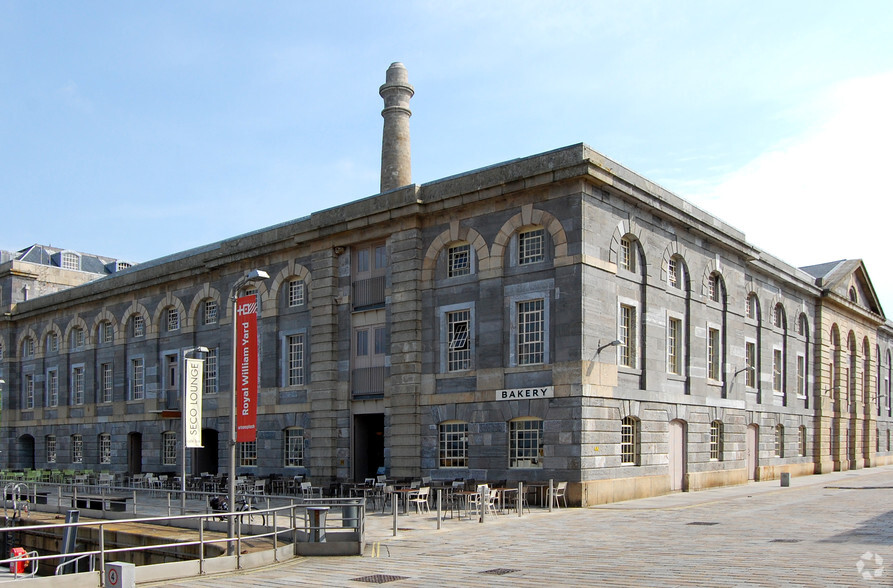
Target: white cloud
column 823, row 195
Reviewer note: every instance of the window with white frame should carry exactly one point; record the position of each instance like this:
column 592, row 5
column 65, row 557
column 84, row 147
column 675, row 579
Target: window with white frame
column 675, row 276
column 674, row 346
column 453, row 445
column 295, row 293
column 777, row 370
column 137, row 379
column 139, row 326
column 77, row 449
column 801, row 376
column 248, row 454
column 295, row 360
column 169, row 448
column 210, row 310
column 458, row 325
column 106, row 382
column 29, row 392
column 294, row 447
column 779, row 440
column 71, row 261
column 77, row 338
column 713, row 289
column 173, row 319
column 106, row 333
column 630, row 447
column 713, row 354
column 526, row 443
column 750, row 363
column 627, row 336
column 531, row 246
column 52, row 343
column 716, row 441
column 531, row 345
column 28, row 348
column 459, row 260
column 50, row 441
column 105, row 449
column 52, row 387
column 77, row 385
column 801, row 441
column 750, row 306
column 627, row 255
column 209, row 381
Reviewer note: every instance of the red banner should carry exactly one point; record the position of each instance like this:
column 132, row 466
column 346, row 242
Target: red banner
column 246, row 369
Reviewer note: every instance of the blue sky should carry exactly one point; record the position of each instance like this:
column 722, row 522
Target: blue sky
column 120, row 120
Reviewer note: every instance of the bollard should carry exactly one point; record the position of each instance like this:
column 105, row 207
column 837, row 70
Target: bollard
column 394, row 506
column 785, row 479
column 439, row 504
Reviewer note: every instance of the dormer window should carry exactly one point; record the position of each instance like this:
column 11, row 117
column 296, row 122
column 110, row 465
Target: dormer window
column 854, row 298
column 70, row 261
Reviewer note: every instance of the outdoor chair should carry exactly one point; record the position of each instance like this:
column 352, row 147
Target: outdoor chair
column 558, row 494
column 420, row 500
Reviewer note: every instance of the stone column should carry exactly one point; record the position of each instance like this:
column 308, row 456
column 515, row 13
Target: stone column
column 396, row 166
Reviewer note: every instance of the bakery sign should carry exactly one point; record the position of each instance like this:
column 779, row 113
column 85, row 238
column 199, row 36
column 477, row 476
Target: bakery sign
column 526, row 393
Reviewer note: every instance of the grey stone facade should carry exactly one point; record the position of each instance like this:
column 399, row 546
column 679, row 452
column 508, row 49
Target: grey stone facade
column 377, row 386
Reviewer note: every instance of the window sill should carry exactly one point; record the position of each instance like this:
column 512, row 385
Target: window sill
column 453, row 375
column 622, row 369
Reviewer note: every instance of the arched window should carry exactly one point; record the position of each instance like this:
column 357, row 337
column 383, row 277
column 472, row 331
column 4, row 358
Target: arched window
column 526, row 443
column 52, row 343
column 210, row 312
column 453, row 445
column 459, row 260
column 751, row 306
column 105, row 333
column 778, row 316
column 172, row 319
column 531, row 246
column 714, row 288
column 716, row 441
column 28, row 348
column 676, row 273
column 854, row 297
column 627, row 255
column 78, row 339
column 138, row 326
column 630, row 445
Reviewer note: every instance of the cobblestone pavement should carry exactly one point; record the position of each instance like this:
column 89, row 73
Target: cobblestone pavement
column 829, row 530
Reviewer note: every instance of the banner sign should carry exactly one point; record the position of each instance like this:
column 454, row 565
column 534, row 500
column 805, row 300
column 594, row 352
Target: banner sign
column 526, row 393
column 193, row 407
column 246, row 369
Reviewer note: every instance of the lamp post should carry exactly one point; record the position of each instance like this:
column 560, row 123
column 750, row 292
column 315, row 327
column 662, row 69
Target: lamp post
column 183, row 400
column 252, row 277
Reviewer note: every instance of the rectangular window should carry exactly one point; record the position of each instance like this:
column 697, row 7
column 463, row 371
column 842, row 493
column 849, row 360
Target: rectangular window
column 294, row 447
column 381, row 257
column 627, row 336
column 674, row 346
column 71, row 261
column 525, row 443
column 531, row 246
column 210, row 373
column 295, row 293
column 51, row 448
column 169, row 448
column 459, row 262
column 777, row 370
column 801, row 376
column 531, row 332
column 29, row 392
column 52, row 388
column 137, row 379
column 713, row 343
column 362, row 343
column 716, row 441
column 459, row 343
column 106, row 382
column 77, row 385
column 77, row 449
column 295, row 369
column 378, row 333
column 248, row 454
column 105, row 449
column 750, row 362
column 209, row 316
column 629, row 441
column 453, row 445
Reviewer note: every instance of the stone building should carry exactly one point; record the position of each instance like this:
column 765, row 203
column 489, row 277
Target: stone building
column 552, row 317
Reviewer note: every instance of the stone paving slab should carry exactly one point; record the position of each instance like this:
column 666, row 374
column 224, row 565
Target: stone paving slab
column 815, row 533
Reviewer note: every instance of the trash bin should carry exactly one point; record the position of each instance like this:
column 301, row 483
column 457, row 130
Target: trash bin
column 350, row 514
column 316, row 515
column 785, row 479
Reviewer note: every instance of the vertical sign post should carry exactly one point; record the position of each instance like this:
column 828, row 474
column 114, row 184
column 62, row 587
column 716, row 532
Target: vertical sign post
column 246, row 369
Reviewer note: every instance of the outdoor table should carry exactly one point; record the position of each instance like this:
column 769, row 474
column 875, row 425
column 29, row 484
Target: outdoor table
column 501, row 492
